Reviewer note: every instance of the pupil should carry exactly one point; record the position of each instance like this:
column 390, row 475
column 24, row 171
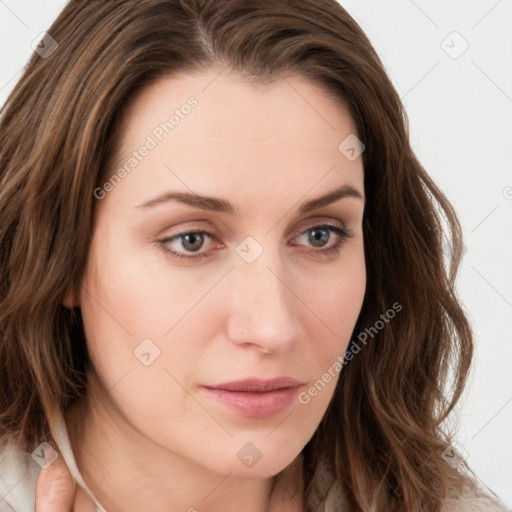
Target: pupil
column 323, row 235
column 195, row 237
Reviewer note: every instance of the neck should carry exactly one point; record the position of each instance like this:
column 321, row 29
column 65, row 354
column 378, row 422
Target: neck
column 126, row 471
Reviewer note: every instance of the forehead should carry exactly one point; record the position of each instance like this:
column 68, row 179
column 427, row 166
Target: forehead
column 229, row 106
column 286, row 133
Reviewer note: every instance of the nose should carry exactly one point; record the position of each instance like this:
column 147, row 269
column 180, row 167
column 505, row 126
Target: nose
column 263, row 309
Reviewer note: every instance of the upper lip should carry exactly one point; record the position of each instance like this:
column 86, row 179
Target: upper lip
column 257, row 385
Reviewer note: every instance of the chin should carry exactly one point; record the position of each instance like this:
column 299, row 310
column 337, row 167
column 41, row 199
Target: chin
column 249, row 463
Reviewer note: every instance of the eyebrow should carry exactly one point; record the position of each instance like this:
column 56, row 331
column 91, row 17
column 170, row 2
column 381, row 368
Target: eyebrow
column 216, row 204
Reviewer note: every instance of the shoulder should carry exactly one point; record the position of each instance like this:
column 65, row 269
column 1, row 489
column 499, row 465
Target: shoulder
column 18, row 478
column 473, row 498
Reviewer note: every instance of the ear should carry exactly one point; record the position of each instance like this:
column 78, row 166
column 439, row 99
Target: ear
column 69, row 299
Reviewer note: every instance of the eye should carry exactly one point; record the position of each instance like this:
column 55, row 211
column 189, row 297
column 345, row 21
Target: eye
column 189, row 240
column 193, row 241
column 320, row 235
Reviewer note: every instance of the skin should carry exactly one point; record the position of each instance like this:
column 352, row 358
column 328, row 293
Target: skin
column 56, row 492
column 149, row 437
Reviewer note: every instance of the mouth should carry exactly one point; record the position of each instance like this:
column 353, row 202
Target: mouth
column 255, row 398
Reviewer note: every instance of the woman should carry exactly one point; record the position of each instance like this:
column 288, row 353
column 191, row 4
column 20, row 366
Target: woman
column 222, row 279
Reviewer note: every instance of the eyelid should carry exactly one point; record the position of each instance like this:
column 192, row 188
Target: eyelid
column 305, row 226
column 317, row 222
column 334, row 226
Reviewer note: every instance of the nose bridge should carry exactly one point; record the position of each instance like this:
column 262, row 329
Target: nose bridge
column 263, row 309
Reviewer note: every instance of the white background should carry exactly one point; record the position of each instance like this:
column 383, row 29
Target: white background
column 460, row 113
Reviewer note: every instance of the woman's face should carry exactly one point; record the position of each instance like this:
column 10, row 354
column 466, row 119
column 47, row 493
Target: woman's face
column 251, row 297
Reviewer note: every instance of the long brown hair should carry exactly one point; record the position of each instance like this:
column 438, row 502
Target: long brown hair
column 381, row 440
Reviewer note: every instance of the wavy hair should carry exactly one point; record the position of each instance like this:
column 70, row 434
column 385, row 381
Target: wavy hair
column 379, row 445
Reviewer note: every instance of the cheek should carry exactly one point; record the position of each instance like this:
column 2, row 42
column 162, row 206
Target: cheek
column 143, row 295
column 337, row 299
column 340, row 306
column 144, row 322
column 125, row 320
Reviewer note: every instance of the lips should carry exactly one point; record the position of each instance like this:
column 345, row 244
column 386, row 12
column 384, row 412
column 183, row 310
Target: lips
column 257, row 385
column 255, row 398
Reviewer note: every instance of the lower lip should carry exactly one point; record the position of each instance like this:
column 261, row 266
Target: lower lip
column 256, row 405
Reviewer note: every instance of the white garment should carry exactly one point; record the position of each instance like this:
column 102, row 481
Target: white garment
column 19, row 473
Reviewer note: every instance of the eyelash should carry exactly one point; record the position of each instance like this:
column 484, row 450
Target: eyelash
column 343, row 235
